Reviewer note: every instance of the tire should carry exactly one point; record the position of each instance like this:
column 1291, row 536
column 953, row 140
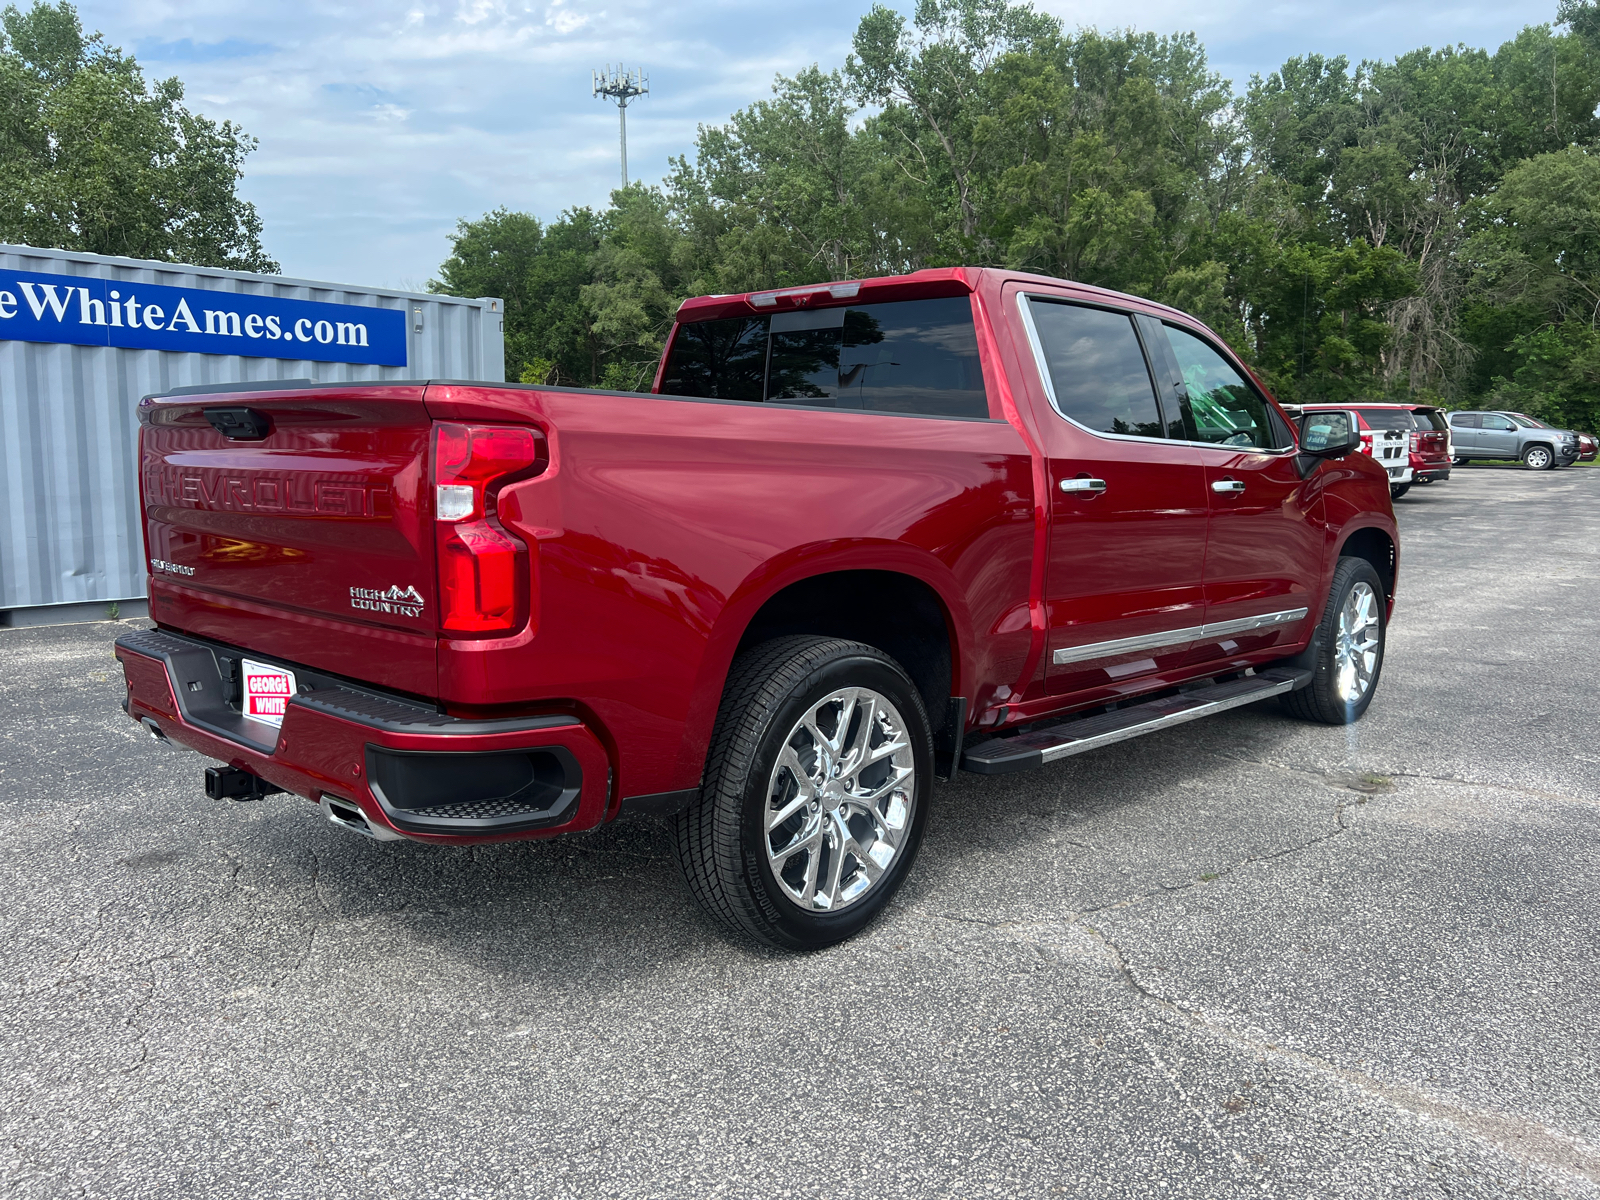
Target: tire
column 764, row 759
column 1459, row 461
column 1327, row 698
column 1398, row 489
column 1538, row 458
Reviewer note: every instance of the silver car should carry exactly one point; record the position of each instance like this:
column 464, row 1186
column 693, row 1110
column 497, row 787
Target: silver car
column 1510, row 435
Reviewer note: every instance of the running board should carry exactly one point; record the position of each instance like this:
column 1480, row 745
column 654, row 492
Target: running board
column 1003, row 755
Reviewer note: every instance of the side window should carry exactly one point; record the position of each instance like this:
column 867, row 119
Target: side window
column 1096, row 368
column 1222, row 408
column 1496, row 421
column 723, row 360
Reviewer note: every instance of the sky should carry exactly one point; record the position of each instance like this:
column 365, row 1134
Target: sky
column 381, row 125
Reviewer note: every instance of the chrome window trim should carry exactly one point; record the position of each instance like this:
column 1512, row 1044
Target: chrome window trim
column 1039, row 363
column 1172, row 637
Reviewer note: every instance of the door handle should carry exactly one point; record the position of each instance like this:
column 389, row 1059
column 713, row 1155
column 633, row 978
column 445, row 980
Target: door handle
column 1083, row 485
column 1229, row 486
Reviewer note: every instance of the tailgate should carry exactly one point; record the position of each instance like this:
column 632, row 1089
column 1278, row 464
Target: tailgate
column 294, row 524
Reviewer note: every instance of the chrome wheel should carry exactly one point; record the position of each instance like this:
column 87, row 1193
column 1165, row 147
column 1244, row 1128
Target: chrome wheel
column 839, row 800
column 1538, row 458
column 1356, row 652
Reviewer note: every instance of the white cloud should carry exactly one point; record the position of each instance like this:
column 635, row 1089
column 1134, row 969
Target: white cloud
column 381, row 125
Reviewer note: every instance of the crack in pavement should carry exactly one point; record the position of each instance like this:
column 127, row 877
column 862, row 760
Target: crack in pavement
column 1334, row 778
column 1528, row 1142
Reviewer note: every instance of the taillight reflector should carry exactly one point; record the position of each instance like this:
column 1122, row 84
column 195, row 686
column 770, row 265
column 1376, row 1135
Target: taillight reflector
column 483, row 570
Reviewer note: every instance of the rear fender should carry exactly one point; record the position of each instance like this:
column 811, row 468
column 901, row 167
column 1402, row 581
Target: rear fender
column 787, row 569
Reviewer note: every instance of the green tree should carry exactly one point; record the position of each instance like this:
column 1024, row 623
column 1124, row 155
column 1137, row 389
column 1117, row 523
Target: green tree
column 1536, row 256
column 1319, row 315
column 94, row 159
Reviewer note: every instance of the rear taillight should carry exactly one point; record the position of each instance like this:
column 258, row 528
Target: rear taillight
column 483, row 570
column 1416, row 442
column 1366, row 443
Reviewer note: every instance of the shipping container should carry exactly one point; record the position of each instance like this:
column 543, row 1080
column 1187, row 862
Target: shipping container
column 84, row 336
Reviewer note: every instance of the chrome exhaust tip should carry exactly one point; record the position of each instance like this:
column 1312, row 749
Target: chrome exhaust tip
column 347, row 814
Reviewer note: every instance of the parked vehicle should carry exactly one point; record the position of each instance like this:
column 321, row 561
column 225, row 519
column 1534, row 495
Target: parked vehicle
column 1508, row 436
column 1430, row 445
column 1587, row 446
column 860, row 534
column 1404, row 440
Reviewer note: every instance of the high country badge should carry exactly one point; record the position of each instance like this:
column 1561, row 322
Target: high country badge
column 406, row 602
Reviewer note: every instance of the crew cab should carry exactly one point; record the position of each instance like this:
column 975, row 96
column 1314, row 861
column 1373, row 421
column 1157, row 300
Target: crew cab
column 858, row 536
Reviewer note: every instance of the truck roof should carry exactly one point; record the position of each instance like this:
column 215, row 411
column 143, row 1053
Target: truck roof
column 918, row 285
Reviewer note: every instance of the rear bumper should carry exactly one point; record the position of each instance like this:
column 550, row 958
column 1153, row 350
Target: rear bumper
column 1432, row 472
column 411, row 770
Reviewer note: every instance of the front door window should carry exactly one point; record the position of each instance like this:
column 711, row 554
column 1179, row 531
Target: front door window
column 1219, row 405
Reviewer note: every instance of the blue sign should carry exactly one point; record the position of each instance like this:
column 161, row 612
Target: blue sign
column 84, row 311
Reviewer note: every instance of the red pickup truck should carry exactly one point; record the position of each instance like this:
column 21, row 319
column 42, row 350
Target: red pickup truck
column 858, row 536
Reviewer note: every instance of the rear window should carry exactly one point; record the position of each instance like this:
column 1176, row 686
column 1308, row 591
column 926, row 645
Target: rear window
column 1389, row 418
column 1431, row 420
column 722, row 360
column 907, row 356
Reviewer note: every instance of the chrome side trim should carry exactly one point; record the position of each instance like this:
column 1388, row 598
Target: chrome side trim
column 1148, row 641
column 1245, row 624
column 1172, row 637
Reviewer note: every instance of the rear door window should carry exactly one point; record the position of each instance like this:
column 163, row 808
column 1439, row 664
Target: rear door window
column 1467, row 420
column 1096, row 368
column 909, row 356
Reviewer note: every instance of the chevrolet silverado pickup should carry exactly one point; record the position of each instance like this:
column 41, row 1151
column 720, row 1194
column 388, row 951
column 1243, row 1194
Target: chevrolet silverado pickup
column 858, row 536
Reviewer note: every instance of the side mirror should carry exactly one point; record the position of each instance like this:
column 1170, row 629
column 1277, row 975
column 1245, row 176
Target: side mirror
column 1329, row 434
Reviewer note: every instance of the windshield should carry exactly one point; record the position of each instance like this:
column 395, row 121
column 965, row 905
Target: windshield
column 1527, row 422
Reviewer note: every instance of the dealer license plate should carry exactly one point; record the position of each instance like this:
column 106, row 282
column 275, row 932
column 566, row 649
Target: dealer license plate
column 266, row 691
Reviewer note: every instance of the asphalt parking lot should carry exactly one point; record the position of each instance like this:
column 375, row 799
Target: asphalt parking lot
column 1242, row 957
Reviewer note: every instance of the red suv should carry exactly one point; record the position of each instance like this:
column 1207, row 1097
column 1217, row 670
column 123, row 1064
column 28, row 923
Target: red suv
column 1429, row 437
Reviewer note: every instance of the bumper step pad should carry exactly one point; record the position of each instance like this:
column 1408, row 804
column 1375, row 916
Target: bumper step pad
column 1005, row 755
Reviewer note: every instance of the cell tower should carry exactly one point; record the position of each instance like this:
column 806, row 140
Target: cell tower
column 621, row 86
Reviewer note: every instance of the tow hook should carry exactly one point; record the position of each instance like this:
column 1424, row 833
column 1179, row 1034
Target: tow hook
column 232, row 783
